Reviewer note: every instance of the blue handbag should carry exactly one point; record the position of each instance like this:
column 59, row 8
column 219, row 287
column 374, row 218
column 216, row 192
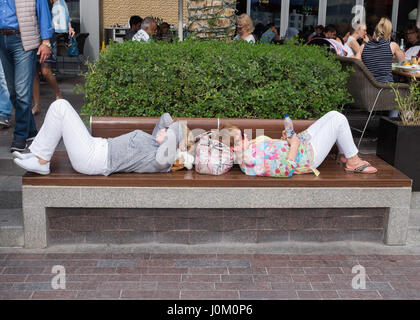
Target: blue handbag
column 72, row 51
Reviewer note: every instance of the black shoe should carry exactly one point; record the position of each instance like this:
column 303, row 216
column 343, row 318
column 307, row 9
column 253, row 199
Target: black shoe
column 31, row 136
column 4, row 122
column 18, row 145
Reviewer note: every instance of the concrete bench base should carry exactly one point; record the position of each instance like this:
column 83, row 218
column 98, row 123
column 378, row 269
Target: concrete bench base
column 37, row 198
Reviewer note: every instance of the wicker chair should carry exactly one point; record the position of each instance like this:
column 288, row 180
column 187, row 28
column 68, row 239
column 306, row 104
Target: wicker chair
column 368, row 93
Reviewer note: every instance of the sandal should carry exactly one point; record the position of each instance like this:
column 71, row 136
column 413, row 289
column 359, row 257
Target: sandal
column 360, row 169
column 341, row 160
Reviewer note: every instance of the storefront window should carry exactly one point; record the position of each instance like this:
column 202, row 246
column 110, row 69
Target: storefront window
column 74, row 12
column 375, row 10
column 339, row 14
column 303, row 15
column 407, row 16
column 265, row 12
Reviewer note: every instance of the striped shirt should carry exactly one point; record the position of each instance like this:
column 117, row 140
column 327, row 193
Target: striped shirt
column 377, row 56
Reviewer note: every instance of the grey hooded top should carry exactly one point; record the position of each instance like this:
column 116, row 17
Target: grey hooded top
column 139, row 151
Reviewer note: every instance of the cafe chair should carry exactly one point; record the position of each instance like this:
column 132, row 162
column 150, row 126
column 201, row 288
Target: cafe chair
column 368, row 93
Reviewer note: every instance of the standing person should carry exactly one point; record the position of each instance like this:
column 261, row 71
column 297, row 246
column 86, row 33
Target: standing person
column 245, row 27
column 62, row 25
column 5, row 104
column 135, row 25
column 148, row 29
column 22, row 38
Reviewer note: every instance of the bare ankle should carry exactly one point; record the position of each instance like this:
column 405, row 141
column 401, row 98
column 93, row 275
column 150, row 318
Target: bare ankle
column 42, row 161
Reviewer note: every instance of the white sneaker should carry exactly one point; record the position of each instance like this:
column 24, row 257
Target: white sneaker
column 33, row 165
column 22, row 156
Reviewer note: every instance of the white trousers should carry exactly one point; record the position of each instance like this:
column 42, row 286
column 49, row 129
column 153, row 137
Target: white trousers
column 331, row 128
column 88, row 155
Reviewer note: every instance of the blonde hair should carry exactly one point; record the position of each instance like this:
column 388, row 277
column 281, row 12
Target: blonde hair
column 227, row 133
column 383, row 29
column 246, row 21
column 188, row 142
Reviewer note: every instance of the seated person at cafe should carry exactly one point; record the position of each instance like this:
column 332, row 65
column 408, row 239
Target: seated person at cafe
column 164, row 33
column 270, row 35
column 244, row 28
column 412, row 35
column 135, row 25
column 318, row 33
column 379, row 53
column 330, row 32
column 353, row 40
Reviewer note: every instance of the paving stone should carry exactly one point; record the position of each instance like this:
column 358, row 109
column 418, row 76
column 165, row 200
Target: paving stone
column 185, row 286
column 211, row 263
column 271, row 295
column 358, row 294
column 117, row 263
column 243, row 286
column 127, row 285
column 151, row 294
column 15, row 295
column 213, row 295
column 207, row 270
column 99, row 294
column 252, row 270
column 317, row 294
column 55, row 294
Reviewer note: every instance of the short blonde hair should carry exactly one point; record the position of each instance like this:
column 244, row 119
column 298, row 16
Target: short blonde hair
column 383, row 29
column 246, row 21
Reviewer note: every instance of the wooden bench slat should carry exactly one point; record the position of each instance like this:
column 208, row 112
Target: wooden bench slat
column 332, row 175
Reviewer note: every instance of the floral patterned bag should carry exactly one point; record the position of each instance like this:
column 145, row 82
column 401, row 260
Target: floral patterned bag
column 212, row 156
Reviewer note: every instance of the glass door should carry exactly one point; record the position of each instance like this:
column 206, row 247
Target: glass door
column 303, row 17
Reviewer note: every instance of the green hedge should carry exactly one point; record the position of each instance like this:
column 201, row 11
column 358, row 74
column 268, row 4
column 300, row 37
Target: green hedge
column 214, row 79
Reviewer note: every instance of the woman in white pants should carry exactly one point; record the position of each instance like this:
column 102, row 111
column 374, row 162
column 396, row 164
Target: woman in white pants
column 136, row 151
column 302, row 153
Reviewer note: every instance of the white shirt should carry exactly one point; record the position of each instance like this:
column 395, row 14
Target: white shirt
column 413, row 51
column 250, row 38
column 141, row 35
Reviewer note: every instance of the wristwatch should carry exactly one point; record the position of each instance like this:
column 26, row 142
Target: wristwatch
column 48, row 44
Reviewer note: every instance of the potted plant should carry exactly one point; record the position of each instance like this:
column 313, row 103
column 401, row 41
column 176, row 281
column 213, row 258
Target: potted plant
column 398, row 138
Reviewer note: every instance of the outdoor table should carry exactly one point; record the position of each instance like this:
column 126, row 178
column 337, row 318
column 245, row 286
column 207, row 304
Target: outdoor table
column 403, row 72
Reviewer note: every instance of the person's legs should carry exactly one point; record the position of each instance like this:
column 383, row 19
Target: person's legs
column 20, row 68
column 86, row 153
column 330, row 129
column 36, row 92
column 52, row 81
column 5, row 104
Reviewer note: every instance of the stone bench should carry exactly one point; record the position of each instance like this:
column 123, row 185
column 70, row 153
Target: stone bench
column 333, row 188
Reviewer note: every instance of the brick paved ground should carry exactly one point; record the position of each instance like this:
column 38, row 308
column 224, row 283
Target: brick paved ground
column 208, row 276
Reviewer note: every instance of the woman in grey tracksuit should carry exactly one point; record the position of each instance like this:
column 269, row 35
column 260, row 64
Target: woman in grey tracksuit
column 136, row 151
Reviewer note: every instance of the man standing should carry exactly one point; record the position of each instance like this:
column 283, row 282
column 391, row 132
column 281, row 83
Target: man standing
column 148, row 29
column 25, row 30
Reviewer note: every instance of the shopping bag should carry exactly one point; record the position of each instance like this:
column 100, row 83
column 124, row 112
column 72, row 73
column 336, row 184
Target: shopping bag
column 72, row 51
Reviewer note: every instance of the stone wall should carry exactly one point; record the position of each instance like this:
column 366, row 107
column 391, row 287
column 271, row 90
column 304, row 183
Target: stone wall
column 119, row 12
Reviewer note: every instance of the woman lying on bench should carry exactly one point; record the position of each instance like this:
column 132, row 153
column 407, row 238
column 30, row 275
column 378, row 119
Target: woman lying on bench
column 136, row 151
column 302, row 153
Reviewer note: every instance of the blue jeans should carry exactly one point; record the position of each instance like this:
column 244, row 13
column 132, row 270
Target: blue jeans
column 19, row 69
column 5, row 104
